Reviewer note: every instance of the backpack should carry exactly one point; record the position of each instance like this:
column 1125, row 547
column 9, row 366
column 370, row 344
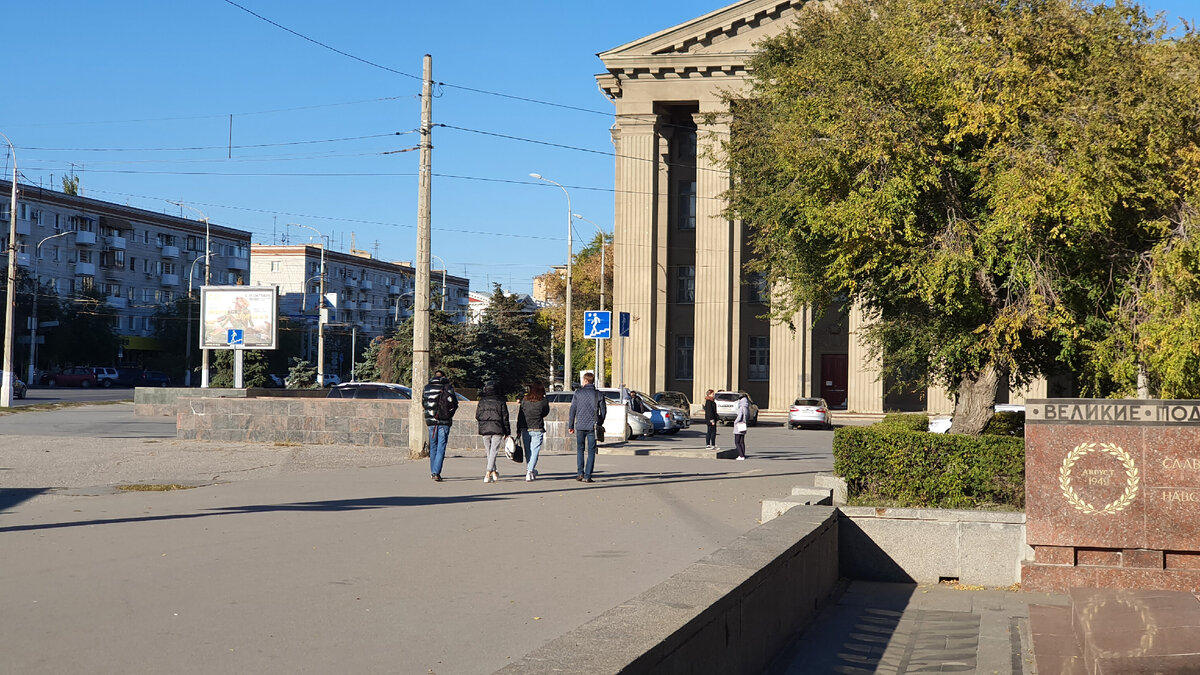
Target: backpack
column 444, row 407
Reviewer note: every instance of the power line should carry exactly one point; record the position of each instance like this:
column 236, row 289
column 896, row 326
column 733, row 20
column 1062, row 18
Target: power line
column 223, row 147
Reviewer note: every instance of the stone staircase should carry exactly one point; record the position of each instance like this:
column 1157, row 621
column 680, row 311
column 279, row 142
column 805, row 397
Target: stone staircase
column 1110, row 631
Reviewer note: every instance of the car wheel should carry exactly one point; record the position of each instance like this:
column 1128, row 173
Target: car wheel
column 629, row 432
column 52, row 382
column 107, row 384
column 85, row 384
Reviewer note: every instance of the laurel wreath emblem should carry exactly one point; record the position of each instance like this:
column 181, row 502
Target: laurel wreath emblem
column 1149, row 626
column 1133, row 478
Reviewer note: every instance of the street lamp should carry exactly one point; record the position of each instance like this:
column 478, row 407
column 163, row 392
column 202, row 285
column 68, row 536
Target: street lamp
column 207, row 280
column 599, row 343
column 37, row 285
column 10, row 308
column 567, row 329
column 443, row 279
column 396, row 319
column 187, row 376
column 321, row 308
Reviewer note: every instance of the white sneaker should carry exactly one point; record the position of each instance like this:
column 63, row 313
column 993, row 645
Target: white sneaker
column 487, row 477
column 741, row 458
column 529, row 477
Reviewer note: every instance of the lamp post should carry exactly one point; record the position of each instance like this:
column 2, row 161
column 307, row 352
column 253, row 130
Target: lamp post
column 443, row 279
column 599, row 342
column 207, row 280
column 10, row 307
column 187, row 376
column 567, row 330
column 37, row 285
column 396, row 318
column 321, row 308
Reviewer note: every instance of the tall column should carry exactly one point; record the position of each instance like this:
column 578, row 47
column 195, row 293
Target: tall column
column 635, row 250
column 864, row 382
column 938, row 401
column 791, row 361
column 717, row 356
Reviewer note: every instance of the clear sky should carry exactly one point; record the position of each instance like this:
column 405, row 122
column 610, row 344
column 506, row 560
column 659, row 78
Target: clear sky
column 135, row 97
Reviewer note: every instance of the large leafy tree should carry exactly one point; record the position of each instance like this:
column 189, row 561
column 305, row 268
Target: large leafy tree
column 994, row 183
column 508, row 345
column 585, row 296
column 450, row 350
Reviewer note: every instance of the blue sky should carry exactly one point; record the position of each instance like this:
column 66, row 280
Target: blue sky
column 117, row 88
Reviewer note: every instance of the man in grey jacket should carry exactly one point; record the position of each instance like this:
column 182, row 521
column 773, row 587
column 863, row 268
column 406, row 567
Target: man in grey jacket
column 587, row 413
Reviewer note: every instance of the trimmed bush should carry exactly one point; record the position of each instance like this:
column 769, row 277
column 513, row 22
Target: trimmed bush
column 930, row 470
column 906, row 421
column 1006, row 424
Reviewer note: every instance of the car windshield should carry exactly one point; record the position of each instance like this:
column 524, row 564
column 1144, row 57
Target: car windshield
column 808, row 401
column 728, row 397
column 669, row 399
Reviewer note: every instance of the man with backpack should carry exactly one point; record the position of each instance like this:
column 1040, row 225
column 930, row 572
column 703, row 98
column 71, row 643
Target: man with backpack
column 440, row 403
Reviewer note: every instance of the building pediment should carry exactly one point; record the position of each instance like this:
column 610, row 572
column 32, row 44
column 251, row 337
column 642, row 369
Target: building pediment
column 718, row 43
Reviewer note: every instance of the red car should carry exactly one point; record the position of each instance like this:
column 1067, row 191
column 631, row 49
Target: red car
column 72, row 377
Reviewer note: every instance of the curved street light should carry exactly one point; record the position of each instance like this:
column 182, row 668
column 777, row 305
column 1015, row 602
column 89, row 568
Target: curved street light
column 37, row 286
column 599, row 342
column 443, row 279
column 567, row 329
column 187, row 376
column 207, row 280
column 321, row 311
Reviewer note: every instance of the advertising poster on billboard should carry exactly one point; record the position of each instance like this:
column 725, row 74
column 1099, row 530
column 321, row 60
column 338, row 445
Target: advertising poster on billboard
column 238, row 317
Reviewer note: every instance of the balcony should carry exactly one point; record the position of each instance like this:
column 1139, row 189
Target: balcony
column 236, row 263
column 115, row 242
column 116, row 303
column 24, row 260
column 170, row 279
column 393, row 290
column 85, row 269
column 85, row 238
column 112, row 271
column 347, row 305
column 464, row 301
column 23, row 227
column 170, row 251
column 367, row 284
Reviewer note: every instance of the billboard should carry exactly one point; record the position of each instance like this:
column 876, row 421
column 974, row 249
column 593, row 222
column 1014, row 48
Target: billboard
column 238, row 317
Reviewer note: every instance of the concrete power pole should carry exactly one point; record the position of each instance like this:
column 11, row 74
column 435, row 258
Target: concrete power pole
column 418, row 433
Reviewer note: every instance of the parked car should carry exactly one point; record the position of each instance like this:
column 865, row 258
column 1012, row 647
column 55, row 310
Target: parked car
column 365, row 390
column 129, row 377
column 727, row 406
column 636, row 425
column 105, row 377
column 661, row 419
column 72, row 377
column 810, row 412
column 330, row 379
column 677, row 400
column 154, row 378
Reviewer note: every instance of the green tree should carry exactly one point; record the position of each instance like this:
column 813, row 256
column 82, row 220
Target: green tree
column 254, row 368
column 70, row 185
column 507, row 346
column 585, row 296
column 984, row 179
column 85, row 332
column 301, row 374
column 450, row 350
column 367, row 370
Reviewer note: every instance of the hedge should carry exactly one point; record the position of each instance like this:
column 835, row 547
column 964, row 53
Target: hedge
column 907, row 421
column 921, row 469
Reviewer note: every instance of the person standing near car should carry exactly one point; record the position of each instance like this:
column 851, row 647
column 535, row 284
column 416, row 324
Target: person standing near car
column 532, row 426
column 440, row 404
column 587, row 413
column 492, row 415
column 710, row 420
column 740, row 423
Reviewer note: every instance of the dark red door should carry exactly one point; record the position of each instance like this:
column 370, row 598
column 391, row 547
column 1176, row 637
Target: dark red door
column 834, row 373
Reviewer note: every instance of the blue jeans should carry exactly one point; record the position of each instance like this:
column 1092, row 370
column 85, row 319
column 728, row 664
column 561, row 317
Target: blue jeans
column 585, row 437
column 437, row 447
column 532, row 440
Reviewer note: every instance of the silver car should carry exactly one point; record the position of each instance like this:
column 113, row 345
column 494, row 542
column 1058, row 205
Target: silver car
column 810, row 412
column 636, row 426
column 727, row 406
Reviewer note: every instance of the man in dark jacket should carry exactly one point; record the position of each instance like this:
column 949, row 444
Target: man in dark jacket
column 587, row 413
column 440, row 404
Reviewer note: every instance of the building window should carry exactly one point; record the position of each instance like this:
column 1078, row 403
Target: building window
column 685, row 284
column 760, row 358
column 85, row 256
column 274, row 265
column 684, row 348
column 685, row 205
column 87, row 283
column 756, row 289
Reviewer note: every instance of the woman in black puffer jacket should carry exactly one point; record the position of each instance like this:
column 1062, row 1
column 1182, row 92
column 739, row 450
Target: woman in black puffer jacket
column 492, row 414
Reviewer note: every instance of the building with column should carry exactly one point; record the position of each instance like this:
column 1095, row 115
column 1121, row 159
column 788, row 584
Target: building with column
column 696, row 315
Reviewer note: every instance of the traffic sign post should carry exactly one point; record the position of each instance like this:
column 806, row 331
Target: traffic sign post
column 598, row 326
column 236, row 338
column 623, row 331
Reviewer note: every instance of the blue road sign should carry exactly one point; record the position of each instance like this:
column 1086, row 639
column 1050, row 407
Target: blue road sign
column 235, row 336
column 597, row 325
column 623, row 324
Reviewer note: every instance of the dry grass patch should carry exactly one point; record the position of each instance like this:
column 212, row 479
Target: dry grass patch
column 154, row 487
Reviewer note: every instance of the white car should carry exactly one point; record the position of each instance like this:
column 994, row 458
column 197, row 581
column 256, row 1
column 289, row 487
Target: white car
column 810, row 412
column 636, row 426
column 727, row 402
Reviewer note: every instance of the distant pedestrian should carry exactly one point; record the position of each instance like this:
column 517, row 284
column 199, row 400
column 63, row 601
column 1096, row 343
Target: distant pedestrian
column 587, row 412
column 710, row 421
column 740, row 423
column 532, row 426
column 492, row 415
column 440, row 404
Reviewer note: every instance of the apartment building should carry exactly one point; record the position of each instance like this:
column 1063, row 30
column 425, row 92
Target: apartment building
column 370, row 295
column 140, row 261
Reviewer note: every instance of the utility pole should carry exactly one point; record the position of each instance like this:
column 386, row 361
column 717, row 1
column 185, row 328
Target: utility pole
column 10, row 304
column 418, row 433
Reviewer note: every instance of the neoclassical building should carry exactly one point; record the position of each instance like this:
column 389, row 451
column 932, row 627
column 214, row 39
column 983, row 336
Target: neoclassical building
column 695, row 315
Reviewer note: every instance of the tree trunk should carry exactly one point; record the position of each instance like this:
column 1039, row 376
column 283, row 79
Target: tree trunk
column 976, row 399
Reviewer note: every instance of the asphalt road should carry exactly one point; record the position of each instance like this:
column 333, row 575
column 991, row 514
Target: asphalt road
column 43, row 394
column 338, row 559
